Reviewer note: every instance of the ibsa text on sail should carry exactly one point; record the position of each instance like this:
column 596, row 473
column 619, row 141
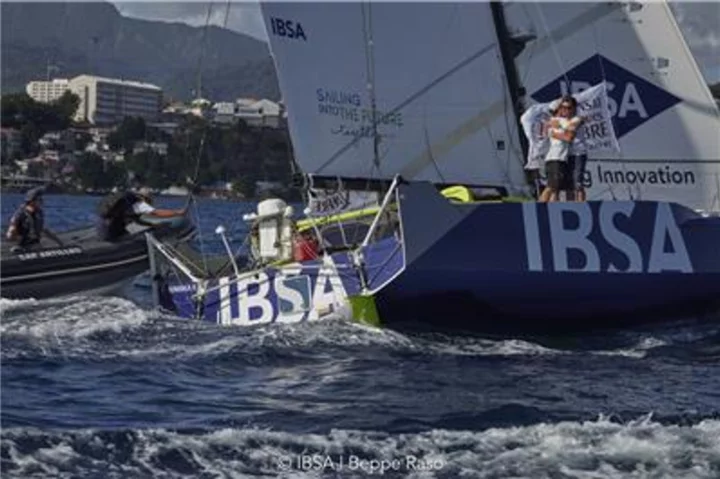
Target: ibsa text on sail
column 287, row 28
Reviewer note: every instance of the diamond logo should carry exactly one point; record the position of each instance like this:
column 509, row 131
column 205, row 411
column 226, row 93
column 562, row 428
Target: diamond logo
column 633, row 100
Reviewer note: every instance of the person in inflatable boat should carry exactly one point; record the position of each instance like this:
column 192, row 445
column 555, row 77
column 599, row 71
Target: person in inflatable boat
column 119, row 209
column 27, row 225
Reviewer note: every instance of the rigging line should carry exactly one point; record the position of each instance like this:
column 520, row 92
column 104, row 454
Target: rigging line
column 623, row 165
column 196, row 211
column 187, row 262
column 426, row 133
column 370, row 71
column 411, row 99
column 227, row 13
column 338, row 223
column 356, row 231
column 199, row 155
column 226, row 265
column 428, row 147
column 198, row 93
column 382, row 266
column 194, row 201
column 553, row 47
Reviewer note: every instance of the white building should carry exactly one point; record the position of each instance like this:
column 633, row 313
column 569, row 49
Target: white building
column 224, row 112
column 106, row 101
column 47, row 91
column 258, row 113
column 161, row 148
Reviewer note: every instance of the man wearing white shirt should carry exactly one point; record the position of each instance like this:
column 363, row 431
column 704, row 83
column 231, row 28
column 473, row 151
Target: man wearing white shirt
column 560, row 130
column 120, row 209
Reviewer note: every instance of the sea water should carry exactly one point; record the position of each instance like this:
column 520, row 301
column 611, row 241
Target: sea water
column 103, row 387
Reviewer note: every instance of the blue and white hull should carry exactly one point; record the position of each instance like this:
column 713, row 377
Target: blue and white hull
column 544, row 267
column 292, row 293
column 488, row 267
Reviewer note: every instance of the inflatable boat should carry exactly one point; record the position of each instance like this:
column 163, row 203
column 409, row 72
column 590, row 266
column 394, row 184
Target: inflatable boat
column 84, row 264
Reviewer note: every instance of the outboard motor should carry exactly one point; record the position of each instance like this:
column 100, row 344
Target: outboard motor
column 275, row 230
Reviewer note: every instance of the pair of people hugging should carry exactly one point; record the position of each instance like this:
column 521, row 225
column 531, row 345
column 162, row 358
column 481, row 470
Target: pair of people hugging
column 566, row 159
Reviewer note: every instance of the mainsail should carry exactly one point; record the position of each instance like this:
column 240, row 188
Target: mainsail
column 664, row 115
column 436, row 77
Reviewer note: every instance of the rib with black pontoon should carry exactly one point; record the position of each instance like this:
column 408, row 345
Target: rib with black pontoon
column 84, row 264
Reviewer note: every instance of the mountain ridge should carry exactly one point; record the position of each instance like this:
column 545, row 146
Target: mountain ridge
column 94, row 38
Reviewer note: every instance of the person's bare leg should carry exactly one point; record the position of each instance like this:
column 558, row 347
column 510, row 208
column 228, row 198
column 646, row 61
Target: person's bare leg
column 545, row 195
column 580, row 195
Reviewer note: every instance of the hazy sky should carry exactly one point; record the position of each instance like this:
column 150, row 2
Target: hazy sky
column 699, row 21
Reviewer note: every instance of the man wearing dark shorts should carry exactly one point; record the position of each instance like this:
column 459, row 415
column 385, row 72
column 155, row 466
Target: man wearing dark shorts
column 560, row 130
column 556, row 173
column 573, row 185
column 576, row 164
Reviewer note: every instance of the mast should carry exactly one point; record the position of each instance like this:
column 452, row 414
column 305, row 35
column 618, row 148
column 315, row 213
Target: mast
column 510, row 47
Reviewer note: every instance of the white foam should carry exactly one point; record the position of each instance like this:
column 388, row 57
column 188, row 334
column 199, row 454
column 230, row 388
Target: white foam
column 68, row 327
column 489, row 347
column 639, row 350
column 65, row 322
column 590, row 449
column 72, row 318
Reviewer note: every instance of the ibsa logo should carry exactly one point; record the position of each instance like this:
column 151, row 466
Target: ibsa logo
column 632, row 100
column 287, row 29
column 654, row 245
column 289, row 296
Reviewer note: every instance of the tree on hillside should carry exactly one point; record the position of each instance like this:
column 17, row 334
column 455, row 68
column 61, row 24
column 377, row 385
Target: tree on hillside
column 67, row 104
column 34, row 119
column 96, row 174
column 131, row 129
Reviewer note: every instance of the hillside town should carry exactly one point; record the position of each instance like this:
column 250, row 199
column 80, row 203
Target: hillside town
column 126, row 132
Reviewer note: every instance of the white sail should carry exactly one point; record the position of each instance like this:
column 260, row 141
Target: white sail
column 664, row 115
column 436, row 76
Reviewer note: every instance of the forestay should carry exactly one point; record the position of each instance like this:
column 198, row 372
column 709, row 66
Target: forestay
column 665, row 118
column 442, row 104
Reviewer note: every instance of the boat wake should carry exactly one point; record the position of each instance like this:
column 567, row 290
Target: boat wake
column 106, row 327
column 591, row 449
column 203, row 401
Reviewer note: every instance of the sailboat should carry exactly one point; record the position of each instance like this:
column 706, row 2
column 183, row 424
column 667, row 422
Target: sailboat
column 422, row 103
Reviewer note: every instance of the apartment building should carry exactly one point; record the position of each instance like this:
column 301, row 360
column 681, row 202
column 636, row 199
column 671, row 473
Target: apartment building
column 103, row 101
column 106, row 101
column 47, row 91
